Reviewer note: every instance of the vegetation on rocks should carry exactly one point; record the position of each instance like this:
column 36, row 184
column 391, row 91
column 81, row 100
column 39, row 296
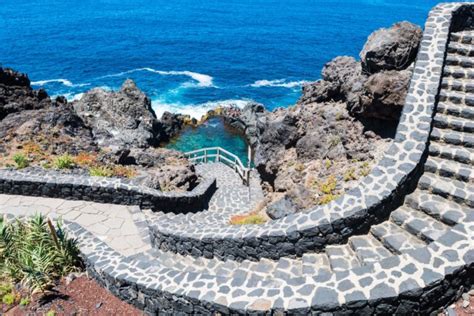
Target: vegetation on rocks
column 247, row 219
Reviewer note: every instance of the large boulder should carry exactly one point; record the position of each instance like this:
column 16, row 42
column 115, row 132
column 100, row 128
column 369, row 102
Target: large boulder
column 120, row 119
column 383, row 95
column 394, row 48
column 16, row 94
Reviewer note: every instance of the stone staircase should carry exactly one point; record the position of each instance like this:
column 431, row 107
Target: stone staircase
column 410, row 256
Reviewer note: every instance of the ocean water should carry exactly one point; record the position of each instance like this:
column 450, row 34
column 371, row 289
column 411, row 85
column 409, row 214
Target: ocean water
column 190, row 55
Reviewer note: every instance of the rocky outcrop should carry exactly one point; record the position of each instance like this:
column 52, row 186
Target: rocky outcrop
column 315, row 151
column 16, row 94
column 29, row 116
column 376, row 86
column 119, row 128
column 394, row 48
column 120, row 119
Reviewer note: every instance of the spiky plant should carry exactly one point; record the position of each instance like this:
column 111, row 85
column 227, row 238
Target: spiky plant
column 36, row 253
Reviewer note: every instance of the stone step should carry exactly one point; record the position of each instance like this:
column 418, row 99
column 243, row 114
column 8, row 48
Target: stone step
column 449, row 212
column 263, row 267
column 452, row 137
column 456, row 110
column 315, row 263
column 458, row 60
column 455, row 123
column 286, row 268
column 368, row 249
column 458, row 191
column 461, row 49
column 458, row 72
column 456, row 97
column 418, row 223
column 457, row 153
column 463, row 85
column 450, row 169
column 395, row 238
column 465, row 37
column 342, row 257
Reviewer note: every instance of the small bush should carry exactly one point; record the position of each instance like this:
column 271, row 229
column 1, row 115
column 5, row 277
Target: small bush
column 326, row 198
column 350, row 175
column 101, row 171
column 123, row 171
column 8, row 299
column 24, row 301
column 21, row 161
column 365, row 169
column 64, row 162
column 36, row 254
column 51, row 313
column 31, row 148
column 247, row 219
column 85, row 159
column 328, row 186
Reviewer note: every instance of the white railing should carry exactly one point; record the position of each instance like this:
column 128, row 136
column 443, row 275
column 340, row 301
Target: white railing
column 218, row 154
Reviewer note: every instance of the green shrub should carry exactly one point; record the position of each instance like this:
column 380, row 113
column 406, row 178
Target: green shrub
column 51, row 313
column 35, row 253
column 64, row 162
column 21, row 161
column 5, row 288
column 8, row 299
column 101, row 172
column 24, row 301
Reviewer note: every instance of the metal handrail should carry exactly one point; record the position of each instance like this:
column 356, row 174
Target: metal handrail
column 221, row 155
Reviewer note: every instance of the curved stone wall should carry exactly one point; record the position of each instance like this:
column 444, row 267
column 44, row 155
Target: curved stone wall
column 370, row 203
column 105, row 190
column 418, row 282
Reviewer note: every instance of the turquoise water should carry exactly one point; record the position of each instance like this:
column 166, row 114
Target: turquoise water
column 190, row 55
column 213, row 133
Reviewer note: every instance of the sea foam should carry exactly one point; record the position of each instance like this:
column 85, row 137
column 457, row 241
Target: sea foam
column 277, row 83
column 202, row 80
column 65, row 82
column 196, row 111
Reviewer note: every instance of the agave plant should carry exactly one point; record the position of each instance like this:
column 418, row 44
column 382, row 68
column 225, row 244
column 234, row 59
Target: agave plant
column 36, row 253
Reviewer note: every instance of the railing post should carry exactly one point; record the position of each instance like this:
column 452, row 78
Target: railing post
column 218, row 158
column 205, row 155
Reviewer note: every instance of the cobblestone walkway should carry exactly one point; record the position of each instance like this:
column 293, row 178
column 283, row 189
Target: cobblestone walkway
column 231, row 198
column 113, row 224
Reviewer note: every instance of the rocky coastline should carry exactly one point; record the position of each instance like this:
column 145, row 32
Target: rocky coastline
column 307, row 154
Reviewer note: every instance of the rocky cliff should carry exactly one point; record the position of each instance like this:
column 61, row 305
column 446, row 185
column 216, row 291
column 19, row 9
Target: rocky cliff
column 104, row 131
column 312, row 152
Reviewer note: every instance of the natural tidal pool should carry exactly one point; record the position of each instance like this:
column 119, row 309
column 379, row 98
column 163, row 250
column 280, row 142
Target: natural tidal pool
column 212, row 133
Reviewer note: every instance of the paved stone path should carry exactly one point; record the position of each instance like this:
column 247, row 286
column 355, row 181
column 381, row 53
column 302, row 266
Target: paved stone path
column 113, row 224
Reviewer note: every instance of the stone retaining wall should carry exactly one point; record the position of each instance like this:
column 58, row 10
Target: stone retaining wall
column 419, row 288
column 370, row 203
column 105, row 190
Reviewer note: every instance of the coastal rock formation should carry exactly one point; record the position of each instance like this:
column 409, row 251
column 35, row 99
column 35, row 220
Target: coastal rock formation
column 376, row 86
column 394, row 48
column 123, row 118
column 118, row 128
column 314, row 151
column 16, row 94
column 29, row 116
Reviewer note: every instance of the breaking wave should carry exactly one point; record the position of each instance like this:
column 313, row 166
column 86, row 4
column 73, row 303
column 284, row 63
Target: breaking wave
column 277, row 83
column 201, row 80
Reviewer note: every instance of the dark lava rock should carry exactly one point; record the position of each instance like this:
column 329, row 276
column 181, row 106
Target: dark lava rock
column 120, row 119
column 16, row 94
column 383, row 95
column 394, row 48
